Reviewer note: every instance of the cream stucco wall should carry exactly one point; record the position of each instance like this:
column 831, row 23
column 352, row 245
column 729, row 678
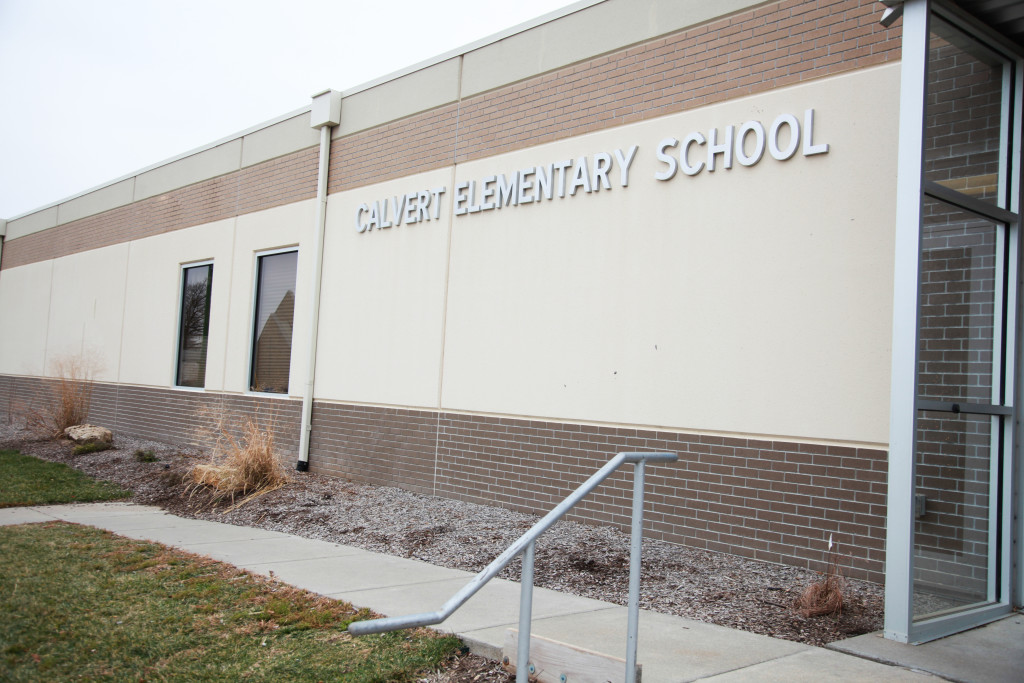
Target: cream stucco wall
column 25, row 298
column 118, row 306
column 153, row 303
column 278, row 228
column 382, row 301
column 86, row 307
column 754, row 300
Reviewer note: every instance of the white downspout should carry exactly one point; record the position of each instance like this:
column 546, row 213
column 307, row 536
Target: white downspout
column 324, row 114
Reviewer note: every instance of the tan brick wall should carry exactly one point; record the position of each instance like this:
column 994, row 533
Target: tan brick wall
column 751, row 52
column 273, row 183
column 412, row 145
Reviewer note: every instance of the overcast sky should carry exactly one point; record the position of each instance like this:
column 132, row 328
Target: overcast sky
column 91, row 90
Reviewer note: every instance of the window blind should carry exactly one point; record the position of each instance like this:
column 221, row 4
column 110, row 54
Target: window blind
column 275, row 312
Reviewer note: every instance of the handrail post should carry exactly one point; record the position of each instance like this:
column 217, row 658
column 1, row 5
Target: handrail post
column 525, row 614
column 635, row 546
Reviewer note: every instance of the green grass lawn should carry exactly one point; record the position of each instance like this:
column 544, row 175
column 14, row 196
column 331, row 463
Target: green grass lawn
column 25, row 480
column 79, row 603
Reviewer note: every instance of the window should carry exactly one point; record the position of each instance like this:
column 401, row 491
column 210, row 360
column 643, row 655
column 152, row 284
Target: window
column 194, row 325
column 272, row 324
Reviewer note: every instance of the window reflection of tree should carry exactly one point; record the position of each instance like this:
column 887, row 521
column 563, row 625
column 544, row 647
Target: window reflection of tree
column 195, row 326
column 193, row 314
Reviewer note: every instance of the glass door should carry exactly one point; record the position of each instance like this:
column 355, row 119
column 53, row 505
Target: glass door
column 949, row 566
column 963, row 427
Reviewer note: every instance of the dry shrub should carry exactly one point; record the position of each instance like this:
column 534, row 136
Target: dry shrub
column 69, row 398
column 824, row 596
column 245, row 464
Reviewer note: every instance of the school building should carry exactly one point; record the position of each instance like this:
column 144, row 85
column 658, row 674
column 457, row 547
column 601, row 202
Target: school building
column 779, row 238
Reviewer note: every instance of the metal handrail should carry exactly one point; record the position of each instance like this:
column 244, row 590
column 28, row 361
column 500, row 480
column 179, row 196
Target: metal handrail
column 525, row 544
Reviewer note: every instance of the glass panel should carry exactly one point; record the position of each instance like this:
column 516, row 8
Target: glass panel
column 951, row 529
column 194, row 327
column 275, row 310
column 963, row 114
column 958, row 312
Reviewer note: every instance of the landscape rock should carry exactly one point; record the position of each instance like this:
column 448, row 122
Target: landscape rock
column 89, row 434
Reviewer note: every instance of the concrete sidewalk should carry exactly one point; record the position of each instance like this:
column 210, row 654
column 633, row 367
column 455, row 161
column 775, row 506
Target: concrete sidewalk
column 670, row 648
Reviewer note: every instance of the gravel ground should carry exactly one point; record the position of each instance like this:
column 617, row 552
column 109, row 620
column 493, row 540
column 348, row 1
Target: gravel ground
column 573, row 558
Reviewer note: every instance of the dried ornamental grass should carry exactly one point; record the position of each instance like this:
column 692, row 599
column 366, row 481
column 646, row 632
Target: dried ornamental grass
column 68, row 404
column 824, row 596
column 246, row 465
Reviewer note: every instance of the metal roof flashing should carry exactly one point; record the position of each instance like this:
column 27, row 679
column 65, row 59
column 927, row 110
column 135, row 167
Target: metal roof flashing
column 494, row 38
column 475, row 45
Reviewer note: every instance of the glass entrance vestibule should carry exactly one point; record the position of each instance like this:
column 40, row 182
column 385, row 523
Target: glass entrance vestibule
column 952, row 557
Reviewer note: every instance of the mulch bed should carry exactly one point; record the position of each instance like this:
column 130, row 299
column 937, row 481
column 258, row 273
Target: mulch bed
column 574, row 558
